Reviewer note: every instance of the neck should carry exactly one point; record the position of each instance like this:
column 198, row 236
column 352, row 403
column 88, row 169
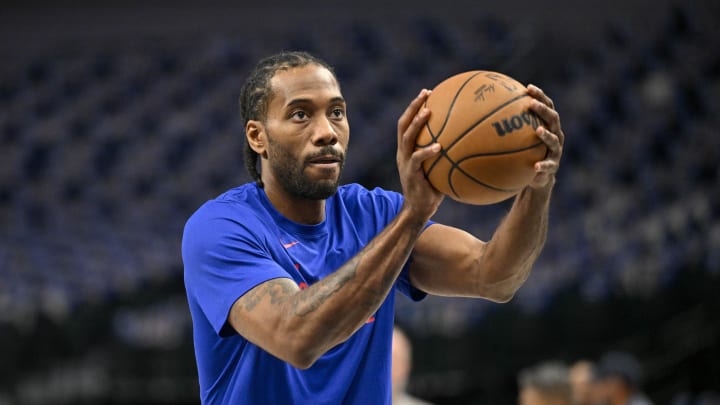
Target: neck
column 300, row 210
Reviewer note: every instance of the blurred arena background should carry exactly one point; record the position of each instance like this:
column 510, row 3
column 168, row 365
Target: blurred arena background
column 119, row 118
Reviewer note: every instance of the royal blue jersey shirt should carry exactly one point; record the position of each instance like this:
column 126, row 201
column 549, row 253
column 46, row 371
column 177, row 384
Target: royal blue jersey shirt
column 239, row 240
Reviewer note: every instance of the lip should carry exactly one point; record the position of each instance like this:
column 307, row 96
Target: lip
column 325, row 165
column 325, row 161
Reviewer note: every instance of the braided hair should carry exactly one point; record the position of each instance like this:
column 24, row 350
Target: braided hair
column 256, row 94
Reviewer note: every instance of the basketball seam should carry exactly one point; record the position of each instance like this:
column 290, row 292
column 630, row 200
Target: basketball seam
column 469, row 176
column 453, row 164
column 505, row 152
column 433, row 137
column 449, row 112
column 504, row 190
column 444, row 151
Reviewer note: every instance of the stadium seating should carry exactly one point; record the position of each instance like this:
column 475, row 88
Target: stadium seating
column 106, row 152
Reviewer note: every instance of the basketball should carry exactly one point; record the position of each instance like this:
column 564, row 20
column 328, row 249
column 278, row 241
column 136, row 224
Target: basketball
column 487, row 132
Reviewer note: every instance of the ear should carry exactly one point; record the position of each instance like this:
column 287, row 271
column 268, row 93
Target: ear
column 255, row 133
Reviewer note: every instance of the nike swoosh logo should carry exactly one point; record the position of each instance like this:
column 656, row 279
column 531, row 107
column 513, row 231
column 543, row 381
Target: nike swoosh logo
column 289, row 245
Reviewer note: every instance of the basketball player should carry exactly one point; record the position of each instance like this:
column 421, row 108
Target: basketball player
column 290, row 278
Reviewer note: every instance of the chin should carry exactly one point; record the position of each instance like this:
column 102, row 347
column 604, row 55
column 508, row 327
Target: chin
column 325, row 190
column 314, row 190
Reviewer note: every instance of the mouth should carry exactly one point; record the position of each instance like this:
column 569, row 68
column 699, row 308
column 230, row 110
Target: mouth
column 325, row 161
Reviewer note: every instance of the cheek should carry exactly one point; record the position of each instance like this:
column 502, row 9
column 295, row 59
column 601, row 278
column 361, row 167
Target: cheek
column 280, row 155
column 343, row 135
column 288, row 147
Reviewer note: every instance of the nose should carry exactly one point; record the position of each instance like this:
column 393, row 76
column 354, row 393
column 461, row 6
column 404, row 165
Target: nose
column 324, row 132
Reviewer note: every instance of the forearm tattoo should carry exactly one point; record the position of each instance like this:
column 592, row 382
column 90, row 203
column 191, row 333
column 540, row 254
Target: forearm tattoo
column 307, row 303
column 302, row 303
column 278, row 290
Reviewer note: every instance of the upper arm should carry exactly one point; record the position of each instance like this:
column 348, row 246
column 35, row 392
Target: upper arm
column 447, row 261
column 451, row 262
column 225, row 260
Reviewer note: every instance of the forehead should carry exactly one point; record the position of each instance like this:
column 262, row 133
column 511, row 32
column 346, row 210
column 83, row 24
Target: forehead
column 311, row 82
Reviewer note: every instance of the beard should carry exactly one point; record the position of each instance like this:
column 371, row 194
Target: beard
column 290, row 174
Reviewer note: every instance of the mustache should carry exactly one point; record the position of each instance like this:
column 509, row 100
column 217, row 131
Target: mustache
column 327, row 151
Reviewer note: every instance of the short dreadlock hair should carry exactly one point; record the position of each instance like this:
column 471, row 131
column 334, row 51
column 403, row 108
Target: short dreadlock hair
column 256, row 94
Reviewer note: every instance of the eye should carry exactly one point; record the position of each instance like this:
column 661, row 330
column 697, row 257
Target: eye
column 338, row 113
column 299, row 115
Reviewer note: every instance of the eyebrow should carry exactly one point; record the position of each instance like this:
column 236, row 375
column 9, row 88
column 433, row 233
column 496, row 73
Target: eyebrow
column 300, row 101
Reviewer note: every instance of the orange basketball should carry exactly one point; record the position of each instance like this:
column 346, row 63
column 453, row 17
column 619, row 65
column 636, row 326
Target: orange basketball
column 487, row 132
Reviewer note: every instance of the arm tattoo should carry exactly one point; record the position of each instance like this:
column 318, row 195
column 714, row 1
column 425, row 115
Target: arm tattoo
column 278, row 290
column 307, row 303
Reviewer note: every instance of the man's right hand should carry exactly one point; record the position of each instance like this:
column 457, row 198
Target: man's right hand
column 420, row 196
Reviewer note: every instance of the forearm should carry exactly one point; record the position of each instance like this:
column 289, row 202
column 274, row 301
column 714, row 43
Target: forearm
column 331, row 310
column 517, row 243
column 298, row 326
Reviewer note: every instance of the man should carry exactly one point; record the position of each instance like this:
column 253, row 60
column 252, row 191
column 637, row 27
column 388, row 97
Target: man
column 545, row 384
column 619, row 376
column 289, row 278
column 402, row 362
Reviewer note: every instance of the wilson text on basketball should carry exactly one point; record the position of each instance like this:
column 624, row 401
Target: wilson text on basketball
column 510, row 124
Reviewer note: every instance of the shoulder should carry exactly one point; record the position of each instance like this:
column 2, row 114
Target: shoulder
column 238, row 210
column 370, row 209
column 239, row 199
column 357, row 194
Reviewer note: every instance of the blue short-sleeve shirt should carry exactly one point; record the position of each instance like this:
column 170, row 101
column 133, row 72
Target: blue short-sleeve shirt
column 239, row 240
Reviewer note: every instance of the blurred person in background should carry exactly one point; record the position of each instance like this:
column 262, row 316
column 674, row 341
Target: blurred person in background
column 619, row 378
column 582, row 383
column 547, row 383
column 291, row 278
column 402, row 362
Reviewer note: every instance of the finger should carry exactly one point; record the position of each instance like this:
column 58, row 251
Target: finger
column 561, row 137
column 545, row 108
column 411, row 110
column 537, row 93
column 551, row 140
column 548, row 115
column 409, row 137
column 422, row 154
column 546, row 167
